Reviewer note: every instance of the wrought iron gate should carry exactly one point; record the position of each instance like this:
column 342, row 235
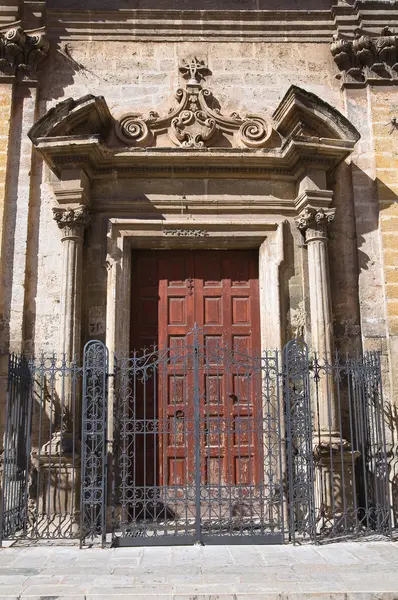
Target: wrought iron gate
column 198, row 452
column 195, row 443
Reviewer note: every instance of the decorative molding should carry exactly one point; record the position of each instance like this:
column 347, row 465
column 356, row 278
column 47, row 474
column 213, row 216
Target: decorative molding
column 72, row 221
column 194, row 123
column 195, row 137
column 314, row 223
column 220, row 25
column 21, row 53
column 366, row 59
column 186, row 232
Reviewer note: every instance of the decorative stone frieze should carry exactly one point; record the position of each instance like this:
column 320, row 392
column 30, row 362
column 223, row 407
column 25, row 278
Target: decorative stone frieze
column 314, row 223
column 186, row 232
column 72, row 221
column 195, row 122
column 366, row 59
column 21, row 53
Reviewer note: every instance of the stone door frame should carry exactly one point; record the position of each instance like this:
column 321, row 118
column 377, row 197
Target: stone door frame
column 267, row 235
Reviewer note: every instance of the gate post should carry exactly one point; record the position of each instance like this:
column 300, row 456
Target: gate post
column 94, row 442
column 298, row 415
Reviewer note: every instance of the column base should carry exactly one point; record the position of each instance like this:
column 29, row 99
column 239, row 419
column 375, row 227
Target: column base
column 57, row 508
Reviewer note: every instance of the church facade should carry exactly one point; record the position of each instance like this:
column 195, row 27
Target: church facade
column 230, row 166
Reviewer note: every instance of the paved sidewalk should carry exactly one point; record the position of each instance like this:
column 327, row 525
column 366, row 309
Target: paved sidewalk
column 345, row 571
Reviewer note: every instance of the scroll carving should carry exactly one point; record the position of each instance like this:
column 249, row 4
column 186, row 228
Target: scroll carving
column 196, row 121
column 22, row 53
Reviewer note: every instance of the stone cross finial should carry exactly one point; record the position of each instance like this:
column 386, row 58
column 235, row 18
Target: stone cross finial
column 195, row 69
column 313, row 223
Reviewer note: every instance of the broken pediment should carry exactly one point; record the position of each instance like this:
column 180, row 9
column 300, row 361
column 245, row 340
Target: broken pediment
column 87, row 115
column 303, row 114
column 194, row 134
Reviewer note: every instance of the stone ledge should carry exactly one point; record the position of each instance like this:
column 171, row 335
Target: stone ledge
column 216, row 25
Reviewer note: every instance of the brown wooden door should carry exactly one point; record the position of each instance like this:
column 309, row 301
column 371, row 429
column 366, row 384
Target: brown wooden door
column 217, row 290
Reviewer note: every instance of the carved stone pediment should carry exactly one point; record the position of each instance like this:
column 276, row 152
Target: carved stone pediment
column 195, row 136
column 195, row 123
column 87, row 115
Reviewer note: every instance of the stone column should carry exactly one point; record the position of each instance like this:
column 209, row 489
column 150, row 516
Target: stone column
column 72, row 222
column 333, row 458
column 313, row 223
column 59, row 456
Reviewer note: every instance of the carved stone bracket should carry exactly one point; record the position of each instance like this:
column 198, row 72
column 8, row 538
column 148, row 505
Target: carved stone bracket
column 366, row 59
column 21, row 53
column 194, row 123
column 72, row 221
column 314, row 223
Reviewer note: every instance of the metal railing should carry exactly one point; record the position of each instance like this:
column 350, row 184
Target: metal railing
column 196, row 443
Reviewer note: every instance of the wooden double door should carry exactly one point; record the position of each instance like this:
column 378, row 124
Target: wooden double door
column 217, row 291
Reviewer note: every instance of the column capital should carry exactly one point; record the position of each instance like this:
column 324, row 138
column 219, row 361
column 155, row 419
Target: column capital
column 314, row 222
column 72, row 221
column 21, row 53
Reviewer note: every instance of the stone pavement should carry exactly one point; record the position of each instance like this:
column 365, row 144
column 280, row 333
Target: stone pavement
column 343, row 571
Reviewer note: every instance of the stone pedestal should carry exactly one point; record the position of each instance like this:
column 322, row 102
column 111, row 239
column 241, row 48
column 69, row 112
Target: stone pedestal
column 335, row 488
column 58, row 487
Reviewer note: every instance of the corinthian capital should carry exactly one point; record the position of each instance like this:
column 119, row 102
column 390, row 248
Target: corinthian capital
column 314, row 223
column 21, row 53
column 72, row 221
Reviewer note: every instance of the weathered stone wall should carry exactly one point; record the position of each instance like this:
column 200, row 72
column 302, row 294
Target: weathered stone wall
column 142, row 77
column 246, row 77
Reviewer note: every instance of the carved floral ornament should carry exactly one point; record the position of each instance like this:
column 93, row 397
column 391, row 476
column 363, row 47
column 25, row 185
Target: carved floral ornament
column 195, row 122
column 72, row 220
column 366, row 57
column 314, row 223
column 21, row 53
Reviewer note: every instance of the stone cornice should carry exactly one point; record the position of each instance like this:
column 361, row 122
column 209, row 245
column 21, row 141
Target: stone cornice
column 98, row 160
column 217, row 25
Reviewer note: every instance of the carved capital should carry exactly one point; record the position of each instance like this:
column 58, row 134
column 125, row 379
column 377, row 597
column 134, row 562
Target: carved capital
column 366, row 58
column 314, row 223
column 21, row 53
column 72, row 221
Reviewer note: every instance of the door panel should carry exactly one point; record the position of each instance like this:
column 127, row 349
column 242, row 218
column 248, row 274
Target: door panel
column 217, row 290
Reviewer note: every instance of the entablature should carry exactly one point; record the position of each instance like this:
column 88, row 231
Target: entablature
column 299, row 144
